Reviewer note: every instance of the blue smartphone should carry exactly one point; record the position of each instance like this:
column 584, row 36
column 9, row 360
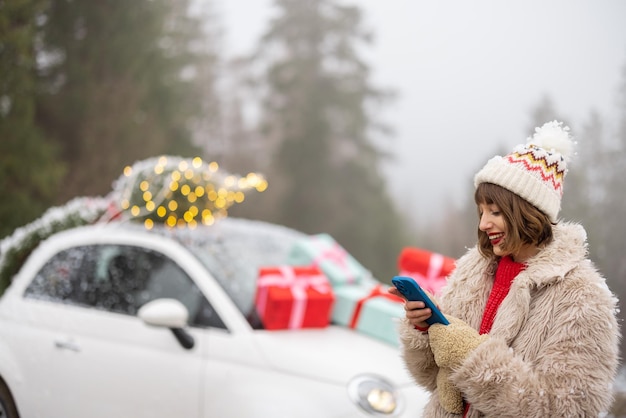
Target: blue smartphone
column 412, row 291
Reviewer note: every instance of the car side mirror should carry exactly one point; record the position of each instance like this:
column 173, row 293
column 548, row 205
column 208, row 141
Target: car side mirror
column 168, row 313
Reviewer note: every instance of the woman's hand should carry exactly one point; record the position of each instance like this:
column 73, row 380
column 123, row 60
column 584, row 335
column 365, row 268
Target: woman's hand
column 452, row 343
column 416, row 311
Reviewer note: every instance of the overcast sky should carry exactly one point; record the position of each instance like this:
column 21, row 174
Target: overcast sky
column 467, row 75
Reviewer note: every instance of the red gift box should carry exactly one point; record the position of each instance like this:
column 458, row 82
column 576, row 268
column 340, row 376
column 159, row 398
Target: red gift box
column 293, row 297
column 427, row 268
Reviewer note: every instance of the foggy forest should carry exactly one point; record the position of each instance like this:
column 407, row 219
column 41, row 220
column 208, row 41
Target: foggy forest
column 88, row 88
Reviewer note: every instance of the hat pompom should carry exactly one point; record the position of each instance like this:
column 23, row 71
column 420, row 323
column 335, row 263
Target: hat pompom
column 554, row 138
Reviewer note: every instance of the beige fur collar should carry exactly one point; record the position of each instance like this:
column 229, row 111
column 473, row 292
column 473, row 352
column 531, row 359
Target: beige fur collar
column 474, row 275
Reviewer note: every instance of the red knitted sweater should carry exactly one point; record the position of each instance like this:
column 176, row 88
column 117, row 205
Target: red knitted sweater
column 505, row 274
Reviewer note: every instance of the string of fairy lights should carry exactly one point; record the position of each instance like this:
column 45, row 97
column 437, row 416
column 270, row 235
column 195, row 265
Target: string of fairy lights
column 181, row 192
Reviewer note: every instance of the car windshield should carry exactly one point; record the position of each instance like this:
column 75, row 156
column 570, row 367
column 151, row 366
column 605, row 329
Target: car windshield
column 234, row 249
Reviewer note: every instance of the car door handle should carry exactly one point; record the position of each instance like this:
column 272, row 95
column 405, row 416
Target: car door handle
column 67, row 345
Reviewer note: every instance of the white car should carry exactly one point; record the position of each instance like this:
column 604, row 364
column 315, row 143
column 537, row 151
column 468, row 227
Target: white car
column 113, row 320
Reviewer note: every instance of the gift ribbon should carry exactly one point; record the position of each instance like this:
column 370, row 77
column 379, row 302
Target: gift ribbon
column 298, row 285
column 433, row 281
column 335, row 254
column 377, row 291
column 435, row 266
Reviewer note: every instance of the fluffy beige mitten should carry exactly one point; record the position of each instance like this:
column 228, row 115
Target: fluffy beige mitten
column 449, row 396
column 452, row 343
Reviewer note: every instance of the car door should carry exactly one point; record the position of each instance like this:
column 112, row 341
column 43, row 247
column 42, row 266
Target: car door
column 91, row 356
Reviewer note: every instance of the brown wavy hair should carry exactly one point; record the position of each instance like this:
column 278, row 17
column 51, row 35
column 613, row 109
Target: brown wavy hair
column 525, row 223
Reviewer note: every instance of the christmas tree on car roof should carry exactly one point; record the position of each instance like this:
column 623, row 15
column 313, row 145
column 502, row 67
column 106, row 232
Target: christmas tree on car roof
column 179, row 192
column 172, row 191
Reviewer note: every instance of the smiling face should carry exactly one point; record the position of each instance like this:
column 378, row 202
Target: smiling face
column 493, row 224
column 508, row 224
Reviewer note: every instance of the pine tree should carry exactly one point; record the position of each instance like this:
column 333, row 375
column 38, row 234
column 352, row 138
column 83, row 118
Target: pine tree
column 612, row 260
column 582, row 197
column 29, row 171
column 123, row 81
column 319, row 127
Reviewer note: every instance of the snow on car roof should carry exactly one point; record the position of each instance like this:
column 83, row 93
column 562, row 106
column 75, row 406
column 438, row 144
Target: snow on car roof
column 232, row 250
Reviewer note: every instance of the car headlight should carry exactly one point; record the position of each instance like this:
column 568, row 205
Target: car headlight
column 374, row 395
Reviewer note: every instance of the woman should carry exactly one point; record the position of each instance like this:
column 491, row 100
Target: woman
column 532, row 331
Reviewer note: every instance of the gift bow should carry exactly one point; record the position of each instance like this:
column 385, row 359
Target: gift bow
column 376, row 292
column 298, row 285
column 337, row 255
column 433, row 281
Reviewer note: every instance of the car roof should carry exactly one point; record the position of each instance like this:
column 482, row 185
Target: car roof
column 232, row 249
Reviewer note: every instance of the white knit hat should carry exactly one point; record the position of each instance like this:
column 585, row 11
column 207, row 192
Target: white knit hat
column 535, row 170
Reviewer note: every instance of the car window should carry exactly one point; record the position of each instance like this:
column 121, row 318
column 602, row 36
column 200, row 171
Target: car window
column 121, row 279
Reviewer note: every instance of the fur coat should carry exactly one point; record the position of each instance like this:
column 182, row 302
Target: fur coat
column 553, row 347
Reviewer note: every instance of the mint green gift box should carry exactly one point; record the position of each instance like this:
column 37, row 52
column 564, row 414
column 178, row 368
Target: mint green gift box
column 323, row 251
column 369, row 309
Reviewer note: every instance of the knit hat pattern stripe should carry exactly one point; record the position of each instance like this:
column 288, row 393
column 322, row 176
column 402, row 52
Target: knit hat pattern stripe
column 548, row 171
